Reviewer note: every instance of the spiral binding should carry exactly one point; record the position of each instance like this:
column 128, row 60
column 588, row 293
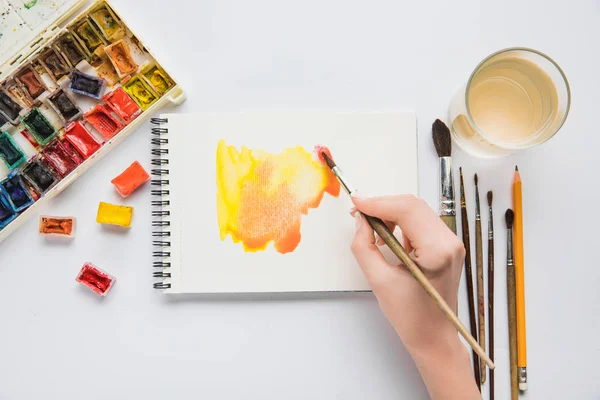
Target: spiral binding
column 160, row 203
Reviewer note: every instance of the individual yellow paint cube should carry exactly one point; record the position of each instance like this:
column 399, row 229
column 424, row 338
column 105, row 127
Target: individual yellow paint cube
column 112, row 214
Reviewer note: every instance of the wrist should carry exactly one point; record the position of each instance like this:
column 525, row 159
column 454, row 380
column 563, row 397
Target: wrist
column 446, row 368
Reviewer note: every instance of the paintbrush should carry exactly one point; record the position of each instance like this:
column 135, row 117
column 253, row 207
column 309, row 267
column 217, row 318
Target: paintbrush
column 511, row 291
column 388, row 237
column 469, row 275
column 479, row 272
column 490, row 197
column 443, row 145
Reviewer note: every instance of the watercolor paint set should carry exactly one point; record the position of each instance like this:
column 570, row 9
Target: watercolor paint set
column 73, row 84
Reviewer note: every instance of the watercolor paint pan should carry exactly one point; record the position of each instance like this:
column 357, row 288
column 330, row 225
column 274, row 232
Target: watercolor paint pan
column 140, row 92
column 88, row 36
column 54, row 64
column 122, row 104
column 70, row 49
column 64, row 105
column 63, row 227
column 39, row 175
column 63, row 132
column 30, row 80
column 18, row 194
column 10, row 152
column 81, row 139
column 7, row 213
column 100, row 282
column 86, row 85
column 9, row 107
column 39, row 126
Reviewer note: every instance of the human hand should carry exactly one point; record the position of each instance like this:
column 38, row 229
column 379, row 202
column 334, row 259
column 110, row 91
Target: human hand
column 427, row 334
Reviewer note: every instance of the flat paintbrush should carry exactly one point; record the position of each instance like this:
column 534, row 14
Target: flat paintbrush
column 443, row 145
column 388, row 237
column 479, row 272
column 511, row 295
column 469, row 276
column 490, row 197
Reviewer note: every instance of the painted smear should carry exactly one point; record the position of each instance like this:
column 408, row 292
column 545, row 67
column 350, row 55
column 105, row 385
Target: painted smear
column 261, row 197
column 30, row 4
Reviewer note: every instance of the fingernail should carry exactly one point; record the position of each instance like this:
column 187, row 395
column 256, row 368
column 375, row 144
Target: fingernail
column 352, row 210
column 379, row 240
column 357, row 195
column 357, row 219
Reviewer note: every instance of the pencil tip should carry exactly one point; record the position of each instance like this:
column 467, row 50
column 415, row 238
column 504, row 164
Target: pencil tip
column 517, row 168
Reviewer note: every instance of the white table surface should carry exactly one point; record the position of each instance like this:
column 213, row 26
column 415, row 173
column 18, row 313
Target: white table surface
column 61, row 342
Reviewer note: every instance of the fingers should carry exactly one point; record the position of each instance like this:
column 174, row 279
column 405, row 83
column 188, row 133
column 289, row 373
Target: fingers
column 364, row 249
column 378, row 241
column 414, row 216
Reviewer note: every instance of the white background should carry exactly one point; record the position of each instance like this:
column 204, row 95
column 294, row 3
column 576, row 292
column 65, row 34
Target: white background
column 61, row 342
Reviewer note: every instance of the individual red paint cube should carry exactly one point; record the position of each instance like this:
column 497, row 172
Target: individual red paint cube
column 75, row 155
column 95, row 279
column 122, row 104
column 59, row 158
column 81, row 139
column 101, row 118
column 129, row 180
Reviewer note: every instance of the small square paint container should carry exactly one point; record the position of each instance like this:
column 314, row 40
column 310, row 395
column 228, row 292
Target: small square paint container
column 122, row 104
column 129, row 180
column 95, row 279
column 101, row 119
column 81, row 139
column 86, row 85
column 63, row 227
column 11, row 154
column 18, row 194
column 112, row 214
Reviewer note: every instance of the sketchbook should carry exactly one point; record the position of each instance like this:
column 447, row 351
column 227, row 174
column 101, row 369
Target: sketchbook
column 242, row 203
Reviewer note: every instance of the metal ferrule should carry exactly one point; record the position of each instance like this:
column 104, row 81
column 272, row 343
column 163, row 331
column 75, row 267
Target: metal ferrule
column 343, row 180
column 509, row 253
column 477, row 207
column 522, row 374
column 447, row 203
column 491, row 226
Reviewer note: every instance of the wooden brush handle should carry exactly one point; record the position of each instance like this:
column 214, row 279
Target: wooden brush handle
column 388, row 237
column 480, row 290
column 470, row 291
column 511, row 291
column 491, row 311
column 450, row 221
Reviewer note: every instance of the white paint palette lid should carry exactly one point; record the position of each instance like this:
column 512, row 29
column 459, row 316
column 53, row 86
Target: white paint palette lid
column 26, row 24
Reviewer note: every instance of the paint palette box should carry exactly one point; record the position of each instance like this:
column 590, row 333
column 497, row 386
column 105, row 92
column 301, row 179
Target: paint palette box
column 74, row 83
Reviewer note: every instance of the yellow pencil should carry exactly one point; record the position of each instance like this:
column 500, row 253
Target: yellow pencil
column 520, row 281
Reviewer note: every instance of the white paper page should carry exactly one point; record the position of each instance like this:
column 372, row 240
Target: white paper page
column 377, row 151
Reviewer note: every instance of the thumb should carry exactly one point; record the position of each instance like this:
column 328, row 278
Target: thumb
column 364, row 249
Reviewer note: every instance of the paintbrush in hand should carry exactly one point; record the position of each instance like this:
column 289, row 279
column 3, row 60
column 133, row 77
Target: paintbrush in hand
column 392, row 242
column 469, row 275
column 490, row 197
column 511, row 294
column 443, row 145
column 479, row 271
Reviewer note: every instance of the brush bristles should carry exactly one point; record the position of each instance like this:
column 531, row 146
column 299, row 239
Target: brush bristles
column 510, row 217
column 490, row 196
column 328, row 160
column 476, row 180
column 441, row 138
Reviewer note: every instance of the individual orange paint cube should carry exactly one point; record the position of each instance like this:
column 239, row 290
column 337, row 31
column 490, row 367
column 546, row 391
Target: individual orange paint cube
column 129, row 180
column 57, row 226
